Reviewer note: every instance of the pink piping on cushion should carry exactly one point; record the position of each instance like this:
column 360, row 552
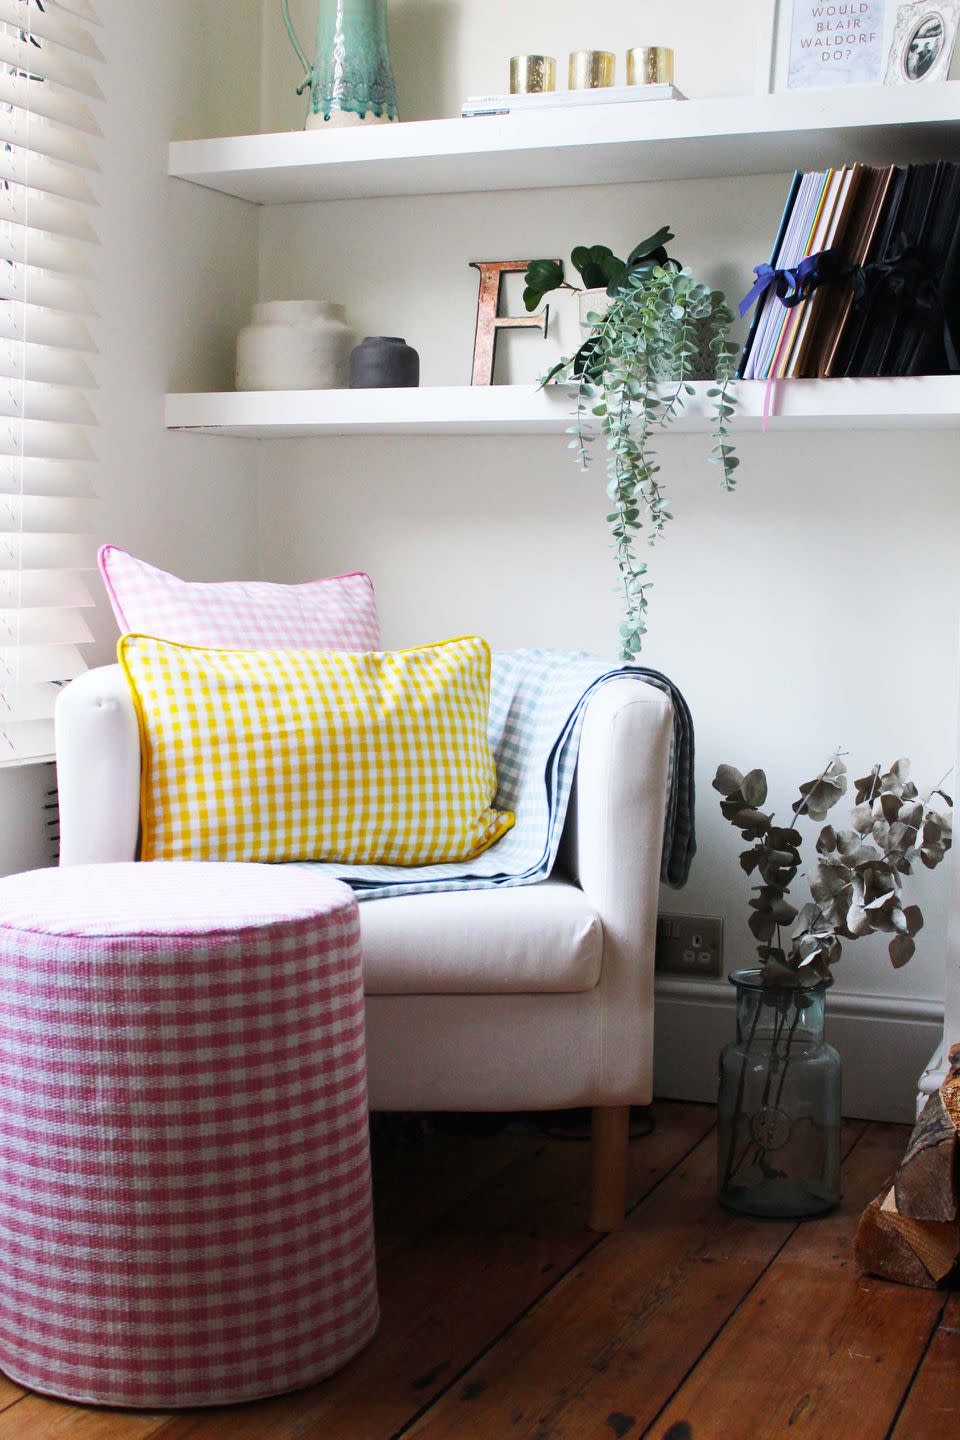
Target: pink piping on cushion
column 119, row 616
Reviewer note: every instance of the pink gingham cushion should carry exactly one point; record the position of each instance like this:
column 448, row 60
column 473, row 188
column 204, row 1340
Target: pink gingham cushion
column 184, row 1156
column 338, row 613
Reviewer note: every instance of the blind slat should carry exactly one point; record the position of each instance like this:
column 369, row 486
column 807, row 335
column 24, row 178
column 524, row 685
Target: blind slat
column 32, row 664
column 25, row 476
column 59, row 590
column 47, row 62
column 44, row 627
column 22, row 245
column 44, row 363
column 40, row 514
column 53, row 22
column 46, row 552
column 21, row 703
column 39, row 401
column 19, row 205
column 43, row 288
column 30, row 131
column 25, row 167
column 26, row 744
column 83, row 8
column 48, row 100
column 45, row 440
column 35, row 325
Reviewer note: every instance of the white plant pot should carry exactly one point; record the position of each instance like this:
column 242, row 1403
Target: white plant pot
column 295, row 345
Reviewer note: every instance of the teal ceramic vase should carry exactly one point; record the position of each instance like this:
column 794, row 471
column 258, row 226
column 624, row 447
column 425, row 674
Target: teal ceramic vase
column 350, row 79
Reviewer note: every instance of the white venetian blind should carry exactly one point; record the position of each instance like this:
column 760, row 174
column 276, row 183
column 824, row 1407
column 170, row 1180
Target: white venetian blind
column 48, row 132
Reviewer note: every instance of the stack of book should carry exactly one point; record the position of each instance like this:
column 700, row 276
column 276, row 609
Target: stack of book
column 883, row 295
column 568, row 99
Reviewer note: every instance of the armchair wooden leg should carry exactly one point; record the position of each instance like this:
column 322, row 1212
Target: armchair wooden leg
column 608, row 1190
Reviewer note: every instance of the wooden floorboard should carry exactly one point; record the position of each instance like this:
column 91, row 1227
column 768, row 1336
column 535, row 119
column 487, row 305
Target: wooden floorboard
column 815, row 1350
column 504, row 1318
column 932, row 1407
column 603, row 1352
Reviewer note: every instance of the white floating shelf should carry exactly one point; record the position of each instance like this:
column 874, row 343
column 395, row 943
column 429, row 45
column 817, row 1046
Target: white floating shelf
column 599, row 145
column 926, row 402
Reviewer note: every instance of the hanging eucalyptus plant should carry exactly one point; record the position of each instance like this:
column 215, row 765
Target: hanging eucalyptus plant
column 662, row 330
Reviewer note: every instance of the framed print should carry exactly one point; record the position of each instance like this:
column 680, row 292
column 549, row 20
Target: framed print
column 809, row 44
column 924, row 35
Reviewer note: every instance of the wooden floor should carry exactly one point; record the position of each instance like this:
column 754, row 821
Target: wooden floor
column 505, row 1319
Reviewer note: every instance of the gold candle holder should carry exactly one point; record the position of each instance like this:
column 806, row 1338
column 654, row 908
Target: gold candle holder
column 650, row 65
column 532, row 74
column 592, row 69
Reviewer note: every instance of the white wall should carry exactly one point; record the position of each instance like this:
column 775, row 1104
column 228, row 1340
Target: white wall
column 815, row 608
column 176, row 273
column 444, row 50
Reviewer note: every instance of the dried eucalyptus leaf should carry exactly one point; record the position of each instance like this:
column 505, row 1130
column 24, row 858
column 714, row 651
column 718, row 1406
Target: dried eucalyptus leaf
column 753, row 787
column 889, row 806
column 827, row 841
column 864, row 789
column 784, row 839
column 749, row 860
column 728, row 780
column 861, row 818
column 762, row 927
column 902, row 949
column 914, row 918
column 857, row 922
column 752, row 820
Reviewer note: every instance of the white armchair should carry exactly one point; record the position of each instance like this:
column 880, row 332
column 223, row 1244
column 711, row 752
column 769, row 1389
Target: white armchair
column 525, row 998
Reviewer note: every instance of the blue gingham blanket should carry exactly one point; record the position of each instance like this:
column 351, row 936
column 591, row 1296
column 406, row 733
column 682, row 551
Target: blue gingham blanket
column 538, row 699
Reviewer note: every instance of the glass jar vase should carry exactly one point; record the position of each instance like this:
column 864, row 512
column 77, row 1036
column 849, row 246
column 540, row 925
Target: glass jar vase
column 778, row 1119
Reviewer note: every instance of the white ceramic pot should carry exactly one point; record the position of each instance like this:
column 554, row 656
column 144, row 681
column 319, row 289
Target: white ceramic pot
column 295, row 345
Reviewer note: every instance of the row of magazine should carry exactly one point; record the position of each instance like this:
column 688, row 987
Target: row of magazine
column 864, row 278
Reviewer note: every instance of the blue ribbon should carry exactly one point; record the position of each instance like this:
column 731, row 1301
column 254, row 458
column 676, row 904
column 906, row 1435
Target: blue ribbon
column 794, row 285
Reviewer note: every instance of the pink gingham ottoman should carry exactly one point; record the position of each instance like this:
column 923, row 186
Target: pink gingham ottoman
column 185, row 1210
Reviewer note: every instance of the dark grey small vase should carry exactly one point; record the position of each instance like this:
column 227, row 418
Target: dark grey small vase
column 381, row 362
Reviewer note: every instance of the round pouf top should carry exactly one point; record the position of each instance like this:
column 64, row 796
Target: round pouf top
column 185, row 1187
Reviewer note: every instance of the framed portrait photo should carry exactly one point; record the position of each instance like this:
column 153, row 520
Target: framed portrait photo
column 923, row 40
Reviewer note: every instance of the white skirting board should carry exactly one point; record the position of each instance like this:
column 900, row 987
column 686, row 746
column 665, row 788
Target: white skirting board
column 885, row 1043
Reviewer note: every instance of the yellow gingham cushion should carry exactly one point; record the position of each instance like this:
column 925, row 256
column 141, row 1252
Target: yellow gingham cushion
column 273, row 755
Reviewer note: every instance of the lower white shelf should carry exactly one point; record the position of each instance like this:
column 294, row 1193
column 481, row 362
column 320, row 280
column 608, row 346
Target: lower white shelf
column 923, row 402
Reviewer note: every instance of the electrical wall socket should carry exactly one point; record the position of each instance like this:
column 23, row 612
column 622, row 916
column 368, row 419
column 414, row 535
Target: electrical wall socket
column 690, row 945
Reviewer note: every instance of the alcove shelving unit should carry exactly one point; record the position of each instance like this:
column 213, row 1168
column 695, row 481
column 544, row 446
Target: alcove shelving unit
column 608, row 144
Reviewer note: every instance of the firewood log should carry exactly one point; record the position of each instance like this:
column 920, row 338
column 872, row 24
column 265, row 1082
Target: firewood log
column 926, row 1183
column 936, row 1244
column 950, row 1089
column 880, row 1249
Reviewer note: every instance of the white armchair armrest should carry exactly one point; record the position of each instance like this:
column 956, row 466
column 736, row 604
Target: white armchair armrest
column 98, row 769
column 621, row 798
